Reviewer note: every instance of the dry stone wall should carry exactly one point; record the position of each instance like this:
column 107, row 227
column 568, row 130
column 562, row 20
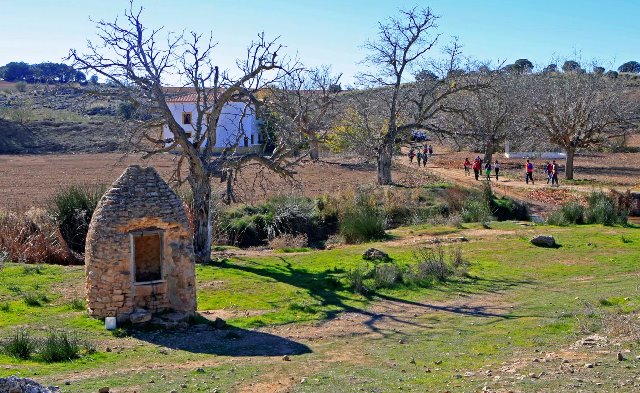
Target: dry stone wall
column 138, row 202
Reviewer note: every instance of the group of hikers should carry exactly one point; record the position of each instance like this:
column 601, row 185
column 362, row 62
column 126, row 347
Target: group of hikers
column 422, row 155
column 477, row 168
column 550, row 169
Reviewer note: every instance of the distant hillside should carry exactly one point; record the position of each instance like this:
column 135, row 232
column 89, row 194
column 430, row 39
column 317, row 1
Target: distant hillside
column 59, row 119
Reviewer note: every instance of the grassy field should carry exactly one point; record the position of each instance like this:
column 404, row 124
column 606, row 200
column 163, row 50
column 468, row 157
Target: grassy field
column 510, row 324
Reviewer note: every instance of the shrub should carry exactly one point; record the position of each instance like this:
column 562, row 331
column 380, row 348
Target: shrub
column 356, row 277
column 431, row 263
column 20, row 345
column 361, row 220
column 386, row 275
column 568, row 214
column 21, row 86
column 126, row 110
column 77, row 304
column 60, row 346
column 602, row 210
column 6, row 307
column 476, row 210
column 34, row 300
column 72, row 209
column 22, row 240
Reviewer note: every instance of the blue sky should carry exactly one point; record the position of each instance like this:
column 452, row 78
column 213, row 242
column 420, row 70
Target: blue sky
column 332, row 31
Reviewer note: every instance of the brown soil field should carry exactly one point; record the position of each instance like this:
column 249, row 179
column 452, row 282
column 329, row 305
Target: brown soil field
column 30, row 180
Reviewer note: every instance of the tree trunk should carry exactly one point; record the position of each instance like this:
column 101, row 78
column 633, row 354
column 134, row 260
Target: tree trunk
column 488, row 151
column 568, row 172
column 314, row 148
column 201, row 189
column 384, row 164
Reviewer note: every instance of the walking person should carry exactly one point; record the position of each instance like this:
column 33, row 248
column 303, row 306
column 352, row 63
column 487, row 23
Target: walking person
column 529, row 175
column 554, row 174
column 430, row 150
column 547, row 170
column 467, row 167
column 487, row 170
column 496, row 168
column 412, row 154
column 476, row 167
column 419, row 158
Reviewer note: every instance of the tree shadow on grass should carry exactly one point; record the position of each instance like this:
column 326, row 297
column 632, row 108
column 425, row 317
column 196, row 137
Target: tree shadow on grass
column 229, row 341
column 325, row 288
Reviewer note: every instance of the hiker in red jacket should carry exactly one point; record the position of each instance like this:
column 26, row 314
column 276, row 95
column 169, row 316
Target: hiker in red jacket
column 477, row 165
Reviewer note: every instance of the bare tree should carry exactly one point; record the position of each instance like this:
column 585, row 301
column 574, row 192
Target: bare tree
column 304, row 101
column 139, row 61
column 399, row 50
column 487, row 117
column 577, row 110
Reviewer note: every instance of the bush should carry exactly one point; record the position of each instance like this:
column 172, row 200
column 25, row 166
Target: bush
column 361, row 220
column 386, row 275
column 602, row 210
column 34, row 300
column 431, row 263
column 21, row 86
column 356, row 277
column 60, row 346
column 476, row 210
column 72, row 209
column 20, row 345
column 27, row 239
column 287, row 241
column 126, row 110
column 569, row 214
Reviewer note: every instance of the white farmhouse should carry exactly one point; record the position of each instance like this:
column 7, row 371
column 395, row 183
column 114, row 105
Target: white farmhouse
column 237, row 128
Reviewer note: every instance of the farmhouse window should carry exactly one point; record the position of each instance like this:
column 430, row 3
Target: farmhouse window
column 252, row 139
column 186, row 117
column 246, row 141
column 146, row 252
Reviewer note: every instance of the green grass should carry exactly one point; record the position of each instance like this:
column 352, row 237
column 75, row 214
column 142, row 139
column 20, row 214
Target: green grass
column 522, row 299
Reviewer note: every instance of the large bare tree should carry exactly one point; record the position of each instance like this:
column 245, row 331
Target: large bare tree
column 577, row 110
column 140, row 61
column 401, row 49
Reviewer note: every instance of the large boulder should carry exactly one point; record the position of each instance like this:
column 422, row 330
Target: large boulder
column 544, row 241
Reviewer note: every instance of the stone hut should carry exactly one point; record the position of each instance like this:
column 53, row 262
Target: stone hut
column 139, row 255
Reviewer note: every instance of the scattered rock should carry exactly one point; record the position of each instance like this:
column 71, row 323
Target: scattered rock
column 286, row 358
column 588, row 365
column 24, row 385
column 183, row 386
column 67, row 382
column 544, row 241
column 373, row 254
column 621, row 356
column 140, row 316
column 104, row 390
column 108, row 349
column 200, row 370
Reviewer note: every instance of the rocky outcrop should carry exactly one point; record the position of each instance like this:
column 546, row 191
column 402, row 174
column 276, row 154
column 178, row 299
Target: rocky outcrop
column 24, row 385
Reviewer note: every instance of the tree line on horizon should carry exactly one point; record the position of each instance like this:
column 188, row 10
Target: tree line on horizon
column 46, row 72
